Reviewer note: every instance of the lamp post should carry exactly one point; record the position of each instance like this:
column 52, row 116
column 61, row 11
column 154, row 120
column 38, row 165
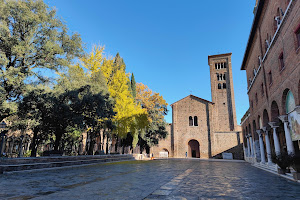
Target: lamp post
column 2, row 134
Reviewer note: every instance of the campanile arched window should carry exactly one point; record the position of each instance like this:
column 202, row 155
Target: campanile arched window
column 195, row 121
column 219, row 86
column 190, row 121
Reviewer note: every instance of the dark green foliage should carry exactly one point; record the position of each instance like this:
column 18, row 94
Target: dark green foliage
column 283, row 160
column 63, row 115
column 118, row 61
column 32, row 38
column 296, row 163
column 133, row 86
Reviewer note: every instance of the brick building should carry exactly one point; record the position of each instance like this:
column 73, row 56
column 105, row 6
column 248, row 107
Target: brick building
column 201, row 128
column 271, row 61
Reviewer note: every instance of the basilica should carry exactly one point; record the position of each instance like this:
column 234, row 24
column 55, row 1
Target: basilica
column 202, row 128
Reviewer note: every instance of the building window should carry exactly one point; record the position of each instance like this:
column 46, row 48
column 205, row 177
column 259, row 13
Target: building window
column 297, row 32
column 254, row 72
column 277, row 20
column 190, row 120
column 267, row 43
column 224, row 85
column 224, row 77
column 262, row 89
column 270, row 78
column 290, row 104
column 219, row 86
column 216, row 65
column 195, row 121
column 225, row 65
column 256, row 98
column 281, row 63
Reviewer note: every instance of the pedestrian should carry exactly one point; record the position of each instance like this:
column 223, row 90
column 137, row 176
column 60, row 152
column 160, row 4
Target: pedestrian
column 185, row 154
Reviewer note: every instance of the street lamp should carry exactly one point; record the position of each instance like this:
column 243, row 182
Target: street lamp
column 2, row 127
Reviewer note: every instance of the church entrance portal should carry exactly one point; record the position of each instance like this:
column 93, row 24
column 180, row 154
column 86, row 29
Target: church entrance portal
column 194, row 149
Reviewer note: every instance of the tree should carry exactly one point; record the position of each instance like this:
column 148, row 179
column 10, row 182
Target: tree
column 156, row 108
column 130, row 117
column 87, row 73
column 32, row 38
column 33, row 113
column 133, row 86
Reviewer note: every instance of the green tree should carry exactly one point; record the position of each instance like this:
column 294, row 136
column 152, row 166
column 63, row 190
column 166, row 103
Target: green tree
column 33, row 113
column 32, row 38
column 156, row 108
column 87, row 73
column 133, row 86
column 130, row 117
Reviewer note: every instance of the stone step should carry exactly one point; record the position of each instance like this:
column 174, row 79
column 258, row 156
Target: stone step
column 273, row 169
column 5, row 161
column 62, row 162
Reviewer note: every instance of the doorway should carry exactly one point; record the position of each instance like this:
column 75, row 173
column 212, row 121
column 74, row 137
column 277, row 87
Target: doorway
column 194, row 149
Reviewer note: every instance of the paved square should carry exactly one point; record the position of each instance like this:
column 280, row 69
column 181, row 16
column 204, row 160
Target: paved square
column 159, row 179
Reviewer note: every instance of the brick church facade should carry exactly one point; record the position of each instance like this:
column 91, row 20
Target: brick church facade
column 201, row 128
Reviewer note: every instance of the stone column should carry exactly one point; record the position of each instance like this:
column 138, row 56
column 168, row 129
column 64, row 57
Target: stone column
column 288, row 138
column 261, row 146
column 275, row 137
column 268, row 144
column 251, row 144
column 248, row 146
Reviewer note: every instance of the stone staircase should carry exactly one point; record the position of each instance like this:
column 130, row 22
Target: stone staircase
column 20, row 164
column 272, row 168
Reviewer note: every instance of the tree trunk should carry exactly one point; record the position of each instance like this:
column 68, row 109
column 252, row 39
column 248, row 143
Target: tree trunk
column 58, row 136
column 106, row 145
column 91, row 149
column 116, row 145
column 34, row 143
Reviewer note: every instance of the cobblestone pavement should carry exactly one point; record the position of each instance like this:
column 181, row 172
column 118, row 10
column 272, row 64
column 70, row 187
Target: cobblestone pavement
column 160, row 179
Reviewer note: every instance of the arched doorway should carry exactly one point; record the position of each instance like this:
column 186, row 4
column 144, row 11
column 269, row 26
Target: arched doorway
column 194, row 149
column 289, row 105
column 280, row 130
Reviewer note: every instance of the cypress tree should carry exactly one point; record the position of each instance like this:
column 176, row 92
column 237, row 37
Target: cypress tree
column 133, row 86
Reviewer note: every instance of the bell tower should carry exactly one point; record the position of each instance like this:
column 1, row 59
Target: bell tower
column 222, row 92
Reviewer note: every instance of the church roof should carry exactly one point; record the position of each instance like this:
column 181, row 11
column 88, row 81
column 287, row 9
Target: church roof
column 193, row 96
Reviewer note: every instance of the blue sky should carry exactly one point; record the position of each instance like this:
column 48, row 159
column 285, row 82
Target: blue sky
column 165, row 43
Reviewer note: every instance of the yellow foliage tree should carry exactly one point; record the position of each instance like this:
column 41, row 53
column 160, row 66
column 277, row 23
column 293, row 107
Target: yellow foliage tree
column 151, row 101
column 156, row 108
column 130, row 117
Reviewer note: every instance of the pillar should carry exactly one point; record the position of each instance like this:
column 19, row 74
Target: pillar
column 288, row 138
column 275, row 137
column 251, row 145
column 268, row 144
column 261, row 146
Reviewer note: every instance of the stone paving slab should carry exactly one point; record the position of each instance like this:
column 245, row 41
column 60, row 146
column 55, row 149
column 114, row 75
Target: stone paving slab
column 161, row 179
column 22, row 164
